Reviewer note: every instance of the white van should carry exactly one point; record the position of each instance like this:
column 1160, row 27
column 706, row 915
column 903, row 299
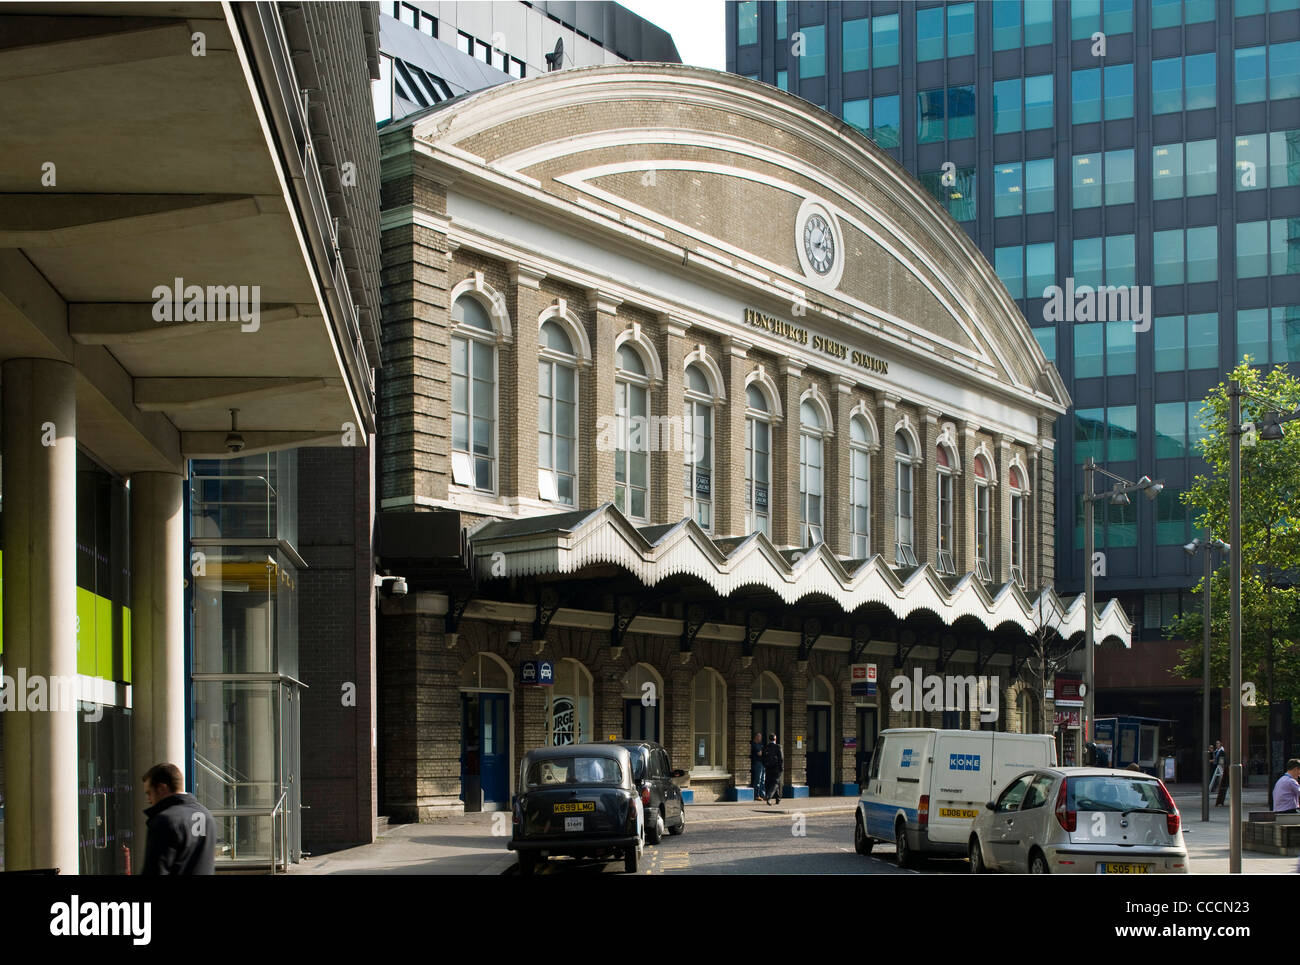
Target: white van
column 927, row 786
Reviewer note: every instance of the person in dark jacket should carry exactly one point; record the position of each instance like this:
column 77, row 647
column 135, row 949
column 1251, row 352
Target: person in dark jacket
column 181, row 839
column 756, row 775
column 773, row 764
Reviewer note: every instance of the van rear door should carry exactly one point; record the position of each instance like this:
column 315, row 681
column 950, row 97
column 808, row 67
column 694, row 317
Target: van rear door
column 959, row 784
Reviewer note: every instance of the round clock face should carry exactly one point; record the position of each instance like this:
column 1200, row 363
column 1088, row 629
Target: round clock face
column 819, row 244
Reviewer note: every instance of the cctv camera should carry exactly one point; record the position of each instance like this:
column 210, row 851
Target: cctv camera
column 399, row 587
column 235, row 442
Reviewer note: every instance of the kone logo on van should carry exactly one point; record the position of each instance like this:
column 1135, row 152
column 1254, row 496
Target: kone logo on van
column 907, row 758
column 963, row 762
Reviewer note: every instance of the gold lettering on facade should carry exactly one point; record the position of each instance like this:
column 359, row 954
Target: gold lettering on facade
column 818, row 343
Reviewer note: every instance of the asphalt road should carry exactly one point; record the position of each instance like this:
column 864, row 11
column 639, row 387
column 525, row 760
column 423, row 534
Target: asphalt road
column 762, row 842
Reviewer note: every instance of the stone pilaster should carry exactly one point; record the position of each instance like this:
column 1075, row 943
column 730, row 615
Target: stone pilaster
column 678, row 713
column 785, row 458
column 926, row 483
column 740, row 717
column 667, row 462
column 1033, row 532
column 596, row 468
column 1045, row 501
column 517, row 421
column 729, row 444
column 1000, row 502
column 796, row 713
column 838, row 501
column 964, row 496
column 884, row 480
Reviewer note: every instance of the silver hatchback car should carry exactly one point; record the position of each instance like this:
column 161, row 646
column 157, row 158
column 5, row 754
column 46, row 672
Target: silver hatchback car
column 1080, row 820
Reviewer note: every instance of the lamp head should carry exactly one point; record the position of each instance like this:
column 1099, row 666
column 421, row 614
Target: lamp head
column 1119, row 498
column 1271, row 429
column 1192, row 548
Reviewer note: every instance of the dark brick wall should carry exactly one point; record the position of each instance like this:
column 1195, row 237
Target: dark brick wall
column 336, row 647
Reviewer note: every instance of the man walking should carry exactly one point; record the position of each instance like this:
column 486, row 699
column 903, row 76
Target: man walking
column 773, row 764
column 181, row 839
column 757, row 778
column 1286, row 792
column 1220, row 772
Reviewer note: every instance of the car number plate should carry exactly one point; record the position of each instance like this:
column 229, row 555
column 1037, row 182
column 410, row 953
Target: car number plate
column 573, row 807
column 573, row 824
column 958, row 813
column 1115, row 868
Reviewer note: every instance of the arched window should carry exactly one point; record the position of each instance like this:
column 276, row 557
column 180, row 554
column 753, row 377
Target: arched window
column 943, row 510
column 570, row 710
column 1028, row 709
column 557, row 415
column 483, row 672
column 904, row 554
column 708, row 722
column 983, row 520
column 810, row 474
column 860, row 487
column 1018, row 503
column 473, row 396
column 819, row 691
column 758, row 462
column 632, row 460
column 698, row 437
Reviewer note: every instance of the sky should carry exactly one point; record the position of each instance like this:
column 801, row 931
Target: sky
column 696, row 26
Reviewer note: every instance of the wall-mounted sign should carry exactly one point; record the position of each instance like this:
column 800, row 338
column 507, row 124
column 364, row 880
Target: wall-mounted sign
column 862, row 679
column 1067, row 691
column 538, row 672
column 1067, row 718
column 818, row 343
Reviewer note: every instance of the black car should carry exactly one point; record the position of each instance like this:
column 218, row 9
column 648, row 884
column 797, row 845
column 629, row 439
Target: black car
column 579, row 800
column 660, row 796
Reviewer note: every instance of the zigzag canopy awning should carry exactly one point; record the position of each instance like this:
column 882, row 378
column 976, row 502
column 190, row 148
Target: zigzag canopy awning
column 568, row 543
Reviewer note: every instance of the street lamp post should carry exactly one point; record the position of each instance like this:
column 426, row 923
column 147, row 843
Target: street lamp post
column 1206, row 545
column 1116, row 495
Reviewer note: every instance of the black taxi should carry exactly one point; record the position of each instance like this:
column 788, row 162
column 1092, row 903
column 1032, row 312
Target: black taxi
column 579, row 800
column 660, row 795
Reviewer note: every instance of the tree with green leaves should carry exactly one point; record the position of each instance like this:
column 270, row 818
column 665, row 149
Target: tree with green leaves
column 1270, row 540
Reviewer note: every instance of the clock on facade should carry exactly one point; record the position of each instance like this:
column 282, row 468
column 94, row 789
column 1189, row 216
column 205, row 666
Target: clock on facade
column 819, row 244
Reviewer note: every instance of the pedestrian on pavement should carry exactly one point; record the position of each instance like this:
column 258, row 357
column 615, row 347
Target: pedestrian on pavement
column 181, row 836
column 1286, row 792
column 1220, row 772
column 757, row 778
column 773, row 764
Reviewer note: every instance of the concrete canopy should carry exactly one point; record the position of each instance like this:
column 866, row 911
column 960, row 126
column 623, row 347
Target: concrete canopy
column 145, row 143
column 639, row 153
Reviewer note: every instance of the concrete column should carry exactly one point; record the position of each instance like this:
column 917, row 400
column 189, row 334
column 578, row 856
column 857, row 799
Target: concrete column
column 667, row 476
column 729, row 429
column 517, row 423
column 964, row 496
column 884, row 481
column 785, row 459
column 157, row 631
column 40, row 606
column 596, row 469
column 838, row 501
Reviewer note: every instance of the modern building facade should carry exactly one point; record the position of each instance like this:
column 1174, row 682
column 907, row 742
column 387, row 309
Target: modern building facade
column 692, row 400
column 190, row 270
column 1148, row 143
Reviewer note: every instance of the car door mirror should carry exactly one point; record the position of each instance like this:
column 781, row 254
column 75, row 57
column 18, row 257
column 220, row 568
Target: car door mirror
column 679, row 773
column 991, row 806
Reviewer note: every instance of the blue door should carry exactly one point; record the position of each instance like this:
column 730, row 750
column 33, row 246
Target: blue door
column 494, row 763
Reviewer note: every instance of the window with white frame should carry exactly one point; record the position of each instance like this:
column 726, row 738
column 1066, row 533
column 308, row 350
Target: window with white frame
column 697, row 435
column 570, row 699
column 708, row 722
column 632, row 460
column 860, row 487
column 944, row 539
column 983, row 520
column 557, row 415
column 473, row 396
column 811, row 474
column 904, row 554
column 1018, row 504
column 758, row 462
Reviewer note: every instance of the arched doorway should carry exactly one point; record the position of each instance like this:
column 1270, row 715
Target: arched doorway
column 642, row 690
column 820, row 715
column 485, row 767
column 766, row 712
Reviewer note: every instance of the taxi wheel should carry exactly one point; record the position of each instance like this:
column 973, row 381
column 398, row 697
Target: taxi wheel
column 977, row 866
column 903, row 854
column 861, row 843
column 1038, row 864
column 681, row 825
column 654, row 830
column 629, row 861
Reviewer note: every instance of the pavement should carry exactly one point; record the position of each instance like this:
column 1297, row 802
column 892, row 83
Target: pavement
column 464, row 844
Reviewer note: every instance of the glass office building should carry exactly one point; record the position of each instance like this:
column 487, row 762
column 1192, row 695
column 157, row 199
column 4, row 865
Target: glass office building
column 1112, row 142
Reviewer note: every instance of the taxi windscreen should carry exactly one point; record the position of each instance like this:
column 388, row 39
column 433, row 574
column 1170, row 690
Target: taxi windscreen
column 574, row 770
